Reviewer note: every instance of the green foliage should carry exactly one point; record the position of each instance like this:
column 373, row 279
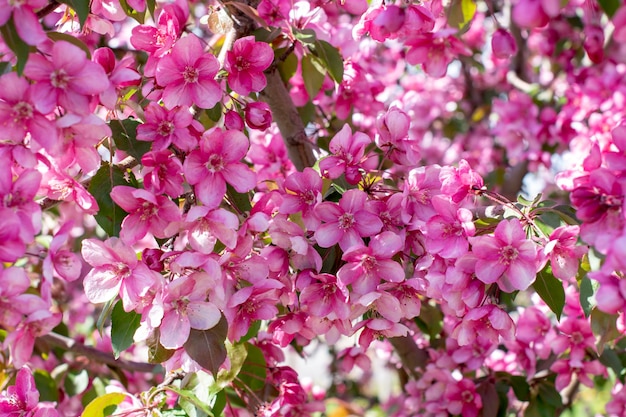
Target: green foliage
column 313, row 74
column 609, row 6
column 81, row 7
column 156, row 352
column 330, row 58
column 550, row 290
column 207, row 346
column 123, row 327
column 140, row 17
column 604, row 327
column 46, row 385
column 104, row 405
column 461, row 13
column 124, row 133
column 20, row 48
column 76, row 382
column 110, row 215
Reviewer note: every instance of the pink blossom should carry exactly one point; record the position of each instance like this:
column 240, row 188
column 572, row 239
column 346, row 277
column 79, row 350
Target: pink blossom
column 183, row 307
column 19, row 114
column 68, row 79
column 325, row 297
column 147, row 213
column 303, row 192
column 29, row 29
column 435, row 51
column 115, row 269
column 348, row 156
column 21, row 341
column 487, row 322
column 20, row 398
column 503, row 44
column 245, row 64
column 379, row 328
column 346, row 223
column 164, row 127
column 507, row 257
column 188, row 75
column 121, row 74
column 447, row 231
column 217, row 162
column 163, row 173
column 393, row 137
column 367, row 266
column 207, row 226
column 564, row 252
column 60, row 259
column 258, row 115
column 79, row 137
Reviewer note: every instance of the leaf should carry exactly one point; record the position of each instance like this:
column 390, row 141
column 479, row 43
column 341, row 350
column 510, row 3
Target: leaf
column 20, row 48
column 191, row 399
column 313, row 75
column 151, row 5
column 241, row 200
column 305, row 36
column 331, row 58
column 81, row 7
column 610, row 359
column 255, row 368
column 237, row 354
column 551, row 291
column 46, row 386
column 461, row 13
column 604, row 327
column 490, row 399
column 207, row 348
column 288, row 67
column 97, row 407
column 58, row 36
column 123, row 327
column 104, row 316
column 587, row 294
column 609, row 6
column 76, row 382
column 156, row 352
column 140, row 17
column 124, row 133
column 110, row 215
column 520, row 386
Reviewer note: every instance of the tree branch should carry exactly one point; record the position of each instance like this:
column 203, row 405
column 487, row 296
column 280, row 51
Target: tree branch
column 47, row 9
column 56, row 340
column 411, row 355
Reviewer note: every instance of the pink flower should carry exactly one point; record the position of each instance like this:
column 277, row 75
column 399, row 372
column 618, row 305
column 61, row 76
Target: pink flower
column 63, row 262
column 188, row 75
column 325, row 297
column 487, row 322
column 121, row 74
column 19, row 115
column 163, row 173
column 348, row 222
column 435, row 51
column 303, row 192
column 258, row 115
column 507, row 257
column 245, row 64
column 502, row 44
column 21, row 397
column 147, row 213
column 115, row 269
column 367, row 266
column 564, row 252
column 348, row 156
column 184, row 306
column 206, row 226
column 217, row 162
column 379, row 328
column 68, row 79
column 164, row 127
column 26, row 21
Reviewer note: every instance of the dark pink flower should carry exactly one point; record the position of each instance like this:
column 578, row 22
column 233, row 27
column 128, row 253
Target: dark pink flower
column 507, row 257
column 163, row 173
column 503, row 44
column 188, row 75
column 245, row 64
column 258, row 115
column 217, row 162
column 303, row 192
column 348, row 156
column 20, row 398
column 164, row 127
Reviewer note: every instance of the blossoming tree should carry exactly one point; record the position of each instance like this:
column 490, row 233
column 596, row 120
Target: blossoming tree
column 192, row 190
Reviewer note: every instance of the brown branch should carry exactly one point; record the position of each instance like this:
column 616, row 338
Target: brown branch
column 412, row 356
column 47, row 9
column 56, row 340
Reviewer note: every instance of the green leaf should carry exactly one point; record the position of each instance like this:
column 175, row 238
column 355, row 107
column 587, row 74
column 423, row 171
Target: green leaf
column 237, row 354
column 461, row 13
column 76, row 382
column 207, row 348
column 551, row 291
column 305, row 36
column 151, row 6
column 255, row 368
column 105, row 313
column 610, row 359
column 110, row 215
column 81, row 7
column 97, row 407
column 313, row 74
column 132, row 13
column 20, row 48
column 288, row 67
column 191, row 398
column 58, row 36
column 156, row 352
column 588, row 294
column 241, row 200
column 604, row 327
column 609, row 6
column 520, row 386
column 46, row 385
column 124, row 133
column 331, row 58
column 123, row 327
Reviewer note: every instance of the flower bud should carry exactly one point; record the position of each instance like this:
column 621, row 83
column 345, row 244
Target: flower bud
column 502, row 44
column 233, row 121
column 152, row 259
column 258, row 115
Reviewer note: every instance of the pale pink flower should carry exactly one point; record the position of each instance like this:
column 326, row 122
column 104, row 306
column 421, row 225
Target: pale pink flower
column 207, row 226
column 21, row 342
column 78, row 140
column 217, row 162
column 147, row 213
column 188, row 75
column 68, row 79
column 487, row 322
column 435, row 51
column 348, row 156
column 60, row 260
column 564, row 252
column 303, row 190
column 378, row 328
column 19, row 115
column 245, row 64
column 115, row 269
column 346, row 223
column 507, row 257
column 325, row 297
column 183, row 307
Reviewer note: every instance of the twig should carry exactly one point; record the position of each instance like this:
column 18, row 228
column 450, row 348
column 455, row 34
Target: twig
column 411, row 355
column 47, row 9
column 56, row 340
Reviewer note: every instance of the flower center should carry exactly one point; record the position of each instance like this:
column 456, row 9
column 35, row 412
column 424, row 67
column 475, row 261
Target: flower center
column 190, row 74
column 369, row 263
column 307, row 197
column 148, row 210
column 215, row 163
column 22, row 111
column 346, row 220
column 165, row 128
column 241, row 64
column 59, row 79
column 508, row 254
